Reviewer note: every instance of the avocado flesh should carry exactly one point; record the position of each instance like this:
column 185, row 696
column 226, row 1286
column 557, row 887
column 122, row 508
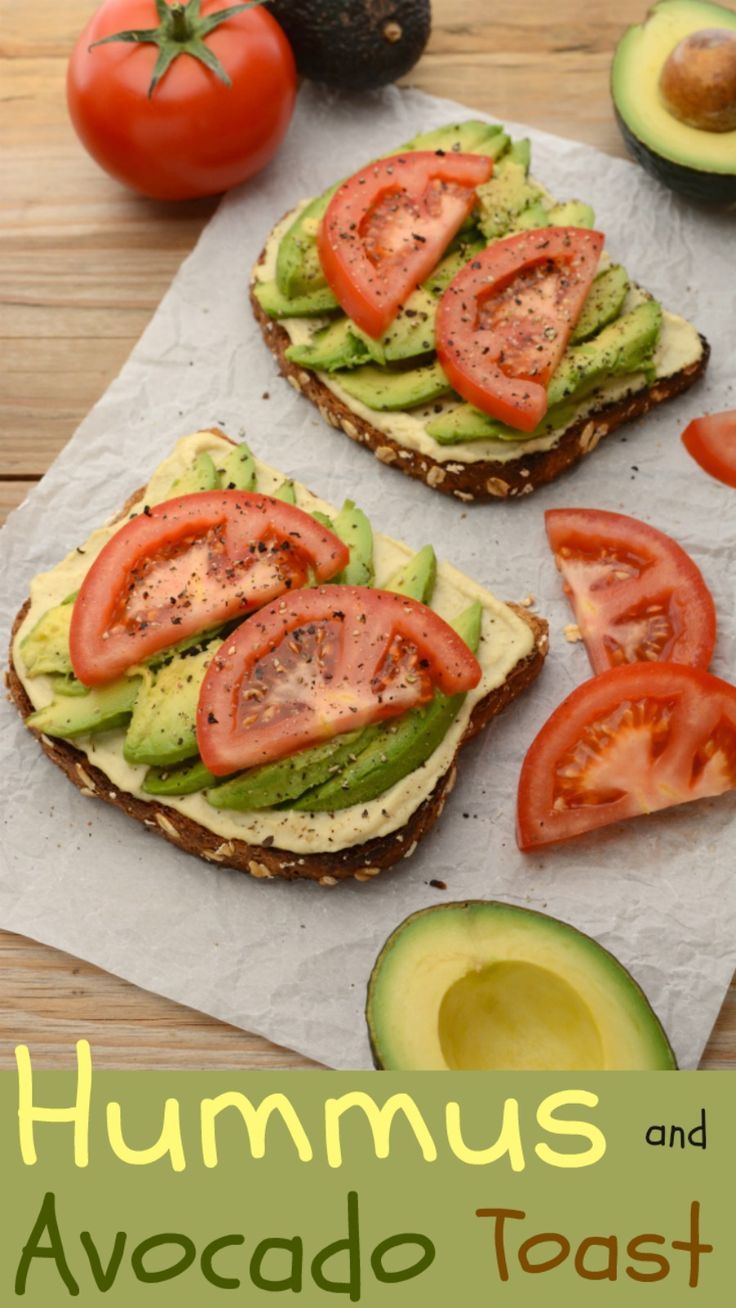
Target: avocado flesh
column 699, row 163
column 298, row 269
column 46, row 647
column 343, row 345
column 603, row 304
column 399, row 747
column 354, row 529
column 495, row 987
column 277, row 305
column 184, row 779
column 417, row 577
column 102, row 709
column 386, row 391
column 201, row 475
column 285, row 492
column 237, row 471
column 334, row 346
column 162, row 729
column 466, row 247
column 505, row 196
column 472, row 137
column 624, row 346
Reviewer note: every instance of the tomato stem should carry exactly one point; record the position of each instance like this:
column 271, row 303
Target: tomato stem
column 182, row 30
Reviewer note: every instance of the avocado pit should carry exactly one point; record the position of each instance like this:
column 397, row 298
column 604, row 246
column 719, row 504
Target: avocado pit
column 698, row 80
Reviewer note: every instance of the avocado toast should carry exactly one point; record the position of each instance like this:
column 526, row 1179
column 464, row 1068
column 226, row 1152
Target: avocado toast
column 625, row 355
column 132, row 743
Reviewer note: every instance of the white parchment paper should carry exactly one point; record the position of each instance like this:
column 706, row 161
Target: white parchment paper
column 291, row 961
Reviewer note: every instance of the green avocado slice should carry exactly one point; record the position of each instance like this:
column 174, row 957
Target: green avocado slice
column 624, row 346
column 102, row 709
column 354, row 529
column 183, row 779
column 237, row 471
column 484, row 986
column 277, row 305
column 603, row 304
column 201, row 475
column 387, row 391
column 335, row 346
column 162, row 729
column 400, row 746
column 416, row 578
column 277, row 784
column 46, row 647
column 298, row 269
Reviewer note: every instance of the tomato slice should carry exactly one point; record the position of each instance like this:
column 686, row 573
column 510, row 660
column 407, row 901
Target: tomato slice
column 388, row 226
column 637, row 596
column 504, row 321
column 712, row 443
column 633, row 740
column 186, row 565
column 319, row 663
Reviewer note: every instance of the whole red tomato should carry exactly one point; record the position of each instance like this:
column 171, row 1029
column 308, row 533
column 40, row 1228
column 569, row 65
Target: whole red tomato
column 175, row 124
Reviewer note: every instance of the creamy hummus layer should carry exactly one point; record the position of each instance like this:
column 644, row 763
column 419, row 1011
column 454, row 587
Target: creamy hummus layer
column 679, row 346
column 505, row 640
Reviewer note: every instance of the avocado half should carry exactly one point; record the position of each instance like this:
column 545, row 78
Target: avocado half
column 355, row 45
column 698, row 163
column 485, row 986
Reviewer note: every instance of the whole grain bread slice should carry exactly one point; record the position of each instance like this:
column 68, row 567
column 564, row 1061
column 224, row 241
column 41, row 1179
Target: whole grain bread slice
column 486, row 479
column 363, row 862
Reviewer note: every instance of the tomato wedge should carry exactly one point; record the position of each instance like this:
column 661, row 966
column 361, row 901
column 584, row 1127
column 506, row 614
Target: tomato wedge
column 712, row 443
column 388, row 226
column 186, row 565
column 321, row 662
column 631, row 741
column 636, row 594
column 504, row 321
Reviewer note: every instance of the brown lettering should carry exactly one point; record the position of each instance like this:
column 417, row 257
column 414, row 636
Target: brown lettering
column 500, row 1215
column 547, row 1237
column 607, row 1273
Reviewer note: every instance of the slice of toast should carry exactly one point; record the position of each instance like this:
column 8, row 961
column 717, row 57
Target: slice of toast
column 362, row 860
column 483, row 479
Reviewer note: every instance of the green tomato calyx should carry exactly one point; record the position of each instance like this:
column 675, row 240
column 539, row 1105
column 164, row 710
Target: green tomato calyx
column 182, row 30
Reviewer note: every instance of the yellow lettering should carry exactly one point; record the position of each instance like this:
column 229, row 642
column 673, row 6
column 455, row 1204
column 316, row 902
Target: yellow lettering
column 28, row 1113
column 256, row 1121
column 169, row 1141
column 508, row 1142
column 555, row 1126
column 380, row 1120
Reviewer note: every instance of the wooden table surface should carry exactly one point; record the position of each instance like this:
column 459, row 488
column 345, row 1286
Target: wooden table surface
column 83, row 265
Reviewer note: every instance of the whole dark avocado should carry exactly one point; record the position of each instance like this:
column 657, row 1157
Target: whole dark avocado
column 354, row 45
column 673, row 84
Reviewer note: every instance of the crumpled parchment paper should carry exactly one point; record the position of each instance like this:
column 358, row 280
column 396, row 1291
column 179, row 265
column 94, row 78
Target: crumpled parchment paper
column 291, row 961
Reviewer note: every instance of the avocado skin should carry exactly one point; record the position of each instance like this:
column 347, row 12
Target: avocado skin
column 355, row 45
column 705, row 188
column 475, row 910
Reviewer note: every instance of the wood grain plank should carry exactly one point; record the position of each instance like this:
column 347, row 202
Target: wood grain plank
column 83, row 264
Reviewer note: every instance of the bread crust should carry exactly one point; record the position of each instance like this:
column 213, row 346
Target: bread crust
column 486, row 479
column 362, row 862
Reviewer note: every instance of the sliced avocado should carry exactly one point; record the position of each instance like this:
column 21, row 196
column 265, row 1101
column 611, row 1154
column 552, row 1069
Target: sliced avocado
column 298, row 269
column 416, row 578
column 505, row 196
column 381, row 389
column 237, row 471
column 279, row 783
column 464, row 423
column 184, row 779
column 285, row 492
column 335, row 346
column 162, row 729
column 603, row 304
column 400, row 746
column 277, row 305
column 412, row 331
column 46, row 647
column 573, row 213
column 65, row 683
column 461, row 251
column 323, row 520
column 201, row 475
column 484, row 986
column 535, row 215
column 521, row 152
column 354, row 529
column 694, row 160
column 102, row 709
column 472, row 137
column 625, row 346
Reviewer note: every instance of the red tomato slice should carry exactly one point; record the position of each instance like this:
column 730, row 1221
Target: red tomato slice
column 636, row 594
column 631, row 741
column 186, row 565
column 712, row 443
column 388, row 226
column 504, row 321
column 321, row 662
